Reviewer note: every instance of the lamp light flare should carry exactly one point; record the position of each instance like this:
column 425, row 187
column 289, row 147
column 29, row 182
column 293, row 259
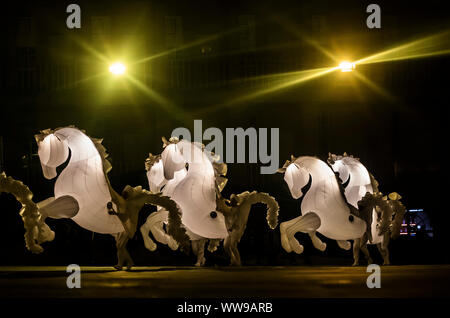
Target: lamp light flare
column 117, row 68
column 347, row 66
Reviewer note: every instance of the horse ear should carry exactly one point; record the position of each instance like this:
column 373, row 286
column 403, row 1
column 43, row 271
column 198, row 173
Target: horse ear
column 281, row 170
column 165, row 142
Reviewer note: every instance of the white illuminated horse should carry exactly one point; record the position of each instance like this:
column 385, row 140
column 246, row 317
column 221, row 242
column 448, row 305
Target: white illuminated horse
column 323, row 207
column 184, row 173
column 358, row 182
column 83, row 192
column 193, row 178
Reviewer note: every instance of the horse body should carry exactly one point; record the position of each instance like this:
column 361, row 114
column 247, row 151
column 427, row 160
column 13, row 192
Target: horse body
column 191, row 176
column 84, row 194
column 82, row 179
column 357, row 178
column 196, row 192
column 323, row 207
column 361, row 191
column 325, row 199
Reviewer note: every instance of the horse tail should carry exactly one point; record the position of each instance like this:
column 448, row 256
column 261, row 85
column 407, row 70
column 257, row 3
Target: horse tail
column 399, row 210
column 175, row 226
column 272, row 206
column 35, row 227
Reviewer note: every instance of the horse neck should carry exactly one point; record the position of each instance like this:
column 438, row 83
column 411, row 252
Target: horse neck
column 200, row 163
column 359, row 176
column 80, row 145
column 318, row 170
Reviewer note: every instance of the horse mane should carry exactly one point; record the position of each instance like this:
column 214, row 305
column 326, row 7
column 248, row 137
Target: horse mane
column 151, row 160
column 353, row 210
column 332, row 157
column 374, row 183
column 96, row 141
column 103, row 154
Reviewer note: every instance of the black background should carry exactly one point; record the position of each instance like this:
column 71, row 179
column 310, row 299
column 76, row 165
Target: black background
column 402, row 140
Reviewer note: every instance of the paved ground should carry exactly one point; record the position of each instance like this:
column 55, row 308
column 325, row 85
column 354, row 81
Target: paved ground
column 299, row 282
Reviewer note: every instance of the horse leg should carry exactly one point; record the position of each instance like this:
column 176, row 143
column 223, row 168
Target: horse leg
column 230, row 246
column 65, row 207
column 123, row 257
column 307, row 223
column 384, row 250
column 198, row 246
column 237, row 256
column 345, row 245
column 317, row 243
column 213, row 245
column 155, row 224
column 365, row 250
column 145, row 231
column 356, row 249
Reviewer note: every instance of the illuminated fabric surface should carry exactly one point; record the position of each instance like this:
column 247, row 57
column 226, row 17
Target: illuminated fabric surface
column 83, row 178
column 323, row 197
column 358, row 185
column 192, row 188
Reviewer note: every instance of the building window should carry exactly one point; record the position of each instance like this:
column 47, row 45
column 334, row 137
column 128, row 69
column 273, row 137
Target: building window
column 173, row 31
column 26, row 68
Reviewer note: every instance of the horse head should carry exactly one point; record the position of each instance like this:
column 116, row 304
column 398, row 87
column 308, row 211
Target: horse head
column 155, row 173
column 172, row 158
column 295, row 176
column 339, row 166
column 52, row 152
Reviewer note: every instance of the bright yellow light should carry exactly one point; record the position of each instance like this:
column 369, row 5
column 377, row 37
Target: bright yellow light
column 347, row 66
column 117, row 68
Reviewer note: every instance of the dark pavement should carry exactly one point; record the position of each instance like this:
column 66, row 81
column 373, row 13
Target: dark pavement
column 177, row 282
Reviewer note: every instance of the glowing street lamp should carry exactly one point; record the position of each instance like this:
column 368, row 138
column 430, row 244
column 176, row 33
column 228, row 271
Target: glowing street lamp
column 117, row 69
column 347, row 66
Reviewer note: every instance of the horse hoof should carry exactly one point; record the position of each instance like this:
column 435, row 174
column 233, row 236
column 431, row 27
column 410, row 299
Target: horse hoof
column 285, row 243
column 296, row 246
column 322, row 247
column 172, row 244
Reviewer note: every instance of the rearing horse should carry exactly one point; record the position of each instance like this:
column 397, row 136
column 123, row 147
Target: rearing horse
column 193, row 178
column 385, row 214
column 83, row 191
column 323, row 208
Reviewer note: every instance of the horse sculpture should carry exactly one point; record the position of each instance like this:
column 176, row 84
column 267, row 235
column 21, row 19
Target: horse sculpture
column 194, row 179
column 387, row 215
column 323, row 207
column 83, row 192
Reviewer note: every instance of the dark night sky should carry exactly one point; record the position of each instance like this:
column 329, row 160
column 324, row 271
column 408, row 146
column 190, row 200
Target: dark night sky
column 402, row 140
